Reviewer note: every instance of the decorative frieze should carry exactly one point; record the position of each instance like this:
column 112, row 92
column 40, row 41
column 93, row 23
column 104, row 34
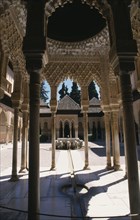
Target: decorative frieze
column 83, row 73
column 87, row 50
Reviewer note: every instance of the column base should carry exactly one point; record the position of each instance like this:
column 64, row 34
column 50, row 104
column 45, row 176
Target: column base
column 23, row 170
column 117, row 168
column 53, row 168
column 14, row 178
column 86, row 167
column 109, row 167
column 125, row 176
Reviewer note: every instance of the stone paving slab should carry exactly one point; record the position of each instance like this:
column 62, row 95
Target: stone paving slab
column 107, row 193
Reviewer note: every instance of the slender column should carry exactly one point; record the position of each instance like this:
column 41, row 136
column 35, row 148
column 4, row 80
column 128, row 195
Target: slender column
column 130, row 139
column 85, row 118
column 63, row 129
column 70, row 131
column 116, row 141
column 7, row 133
column 34, row 180
column 108, row 147
column 139, row 133
column 76, row 131
column 85, row 105
column 20, row 132
column 23, row 149
column 53, row 105
column 14, row 176
column 27, row 147
column 53, row 140
column 112, row 138
column 125, row 151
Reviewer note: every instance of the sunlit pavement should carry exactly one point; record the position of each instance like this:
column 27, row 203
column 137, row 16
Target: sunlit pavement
column 97, row 193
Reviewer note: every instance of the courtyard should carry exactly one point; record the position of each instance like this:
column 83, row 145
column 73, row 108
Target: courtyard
column 99, row 194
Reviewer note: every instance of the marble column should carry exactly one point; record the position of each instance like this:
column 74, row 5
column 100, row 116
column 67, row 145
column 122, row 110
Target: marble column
column 130, row 140
column 84, row 106
column 139, row 133
column 53, row 106
column 53, row 140
column 62, row 129
column 125, row 151
column 34, row 151
column 24, row 142
column 112, row 139
column 7, row 133
column 70, row 130
column 116, row 152
column 107, row 133
column 14, row 176
column 76, row 131
column 85, row 122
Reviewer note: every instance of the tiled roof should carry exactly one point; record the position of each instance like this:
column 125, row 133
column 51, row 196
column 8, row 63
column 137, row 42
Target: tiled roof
column 94, row 106
column 67, row 103
column 94, row 102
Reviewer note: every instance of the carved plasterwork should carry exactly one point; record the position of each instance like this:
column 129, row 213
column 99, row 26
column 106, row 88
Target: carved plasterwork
column 82, row 73
column 79, row 61
column 135, row 18
column 12, row 32
column 88, row 50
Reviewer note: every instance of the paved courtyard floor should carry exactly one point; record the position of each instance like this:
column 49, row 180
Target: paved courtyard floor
column 96, row 193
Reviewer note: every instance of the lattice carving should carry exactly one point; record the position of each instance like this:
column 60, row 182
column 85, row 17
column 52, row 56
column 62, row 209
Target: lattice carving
column 135, row 18
column 11, row 40
column 11, row 35
column 18, row 10
column 83, row 73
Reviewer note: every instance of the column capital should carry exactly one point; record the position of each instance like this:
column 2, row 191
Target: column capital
column 114, row 107
column 34, row 43
column 84, row 105
column 16, row 100
column 123, row 61
column 53, row 105
column 106, row 108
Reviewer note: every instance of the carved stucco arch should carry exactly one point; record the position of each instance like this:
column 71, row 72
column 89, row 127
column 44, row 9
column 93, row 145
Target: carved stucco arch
column 82, row 73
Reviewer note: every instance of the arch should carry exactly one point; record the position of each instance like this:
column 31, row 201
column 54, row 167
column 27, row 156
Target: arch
column 73, row 129
column 66, row 129
column 99, row 132
column 81, row 73
column 80, row 130
column 60, row 129
column 94, row 131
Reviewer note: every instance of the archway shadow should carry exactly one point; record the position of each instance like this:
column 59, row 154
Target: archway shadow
column 53, row 200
